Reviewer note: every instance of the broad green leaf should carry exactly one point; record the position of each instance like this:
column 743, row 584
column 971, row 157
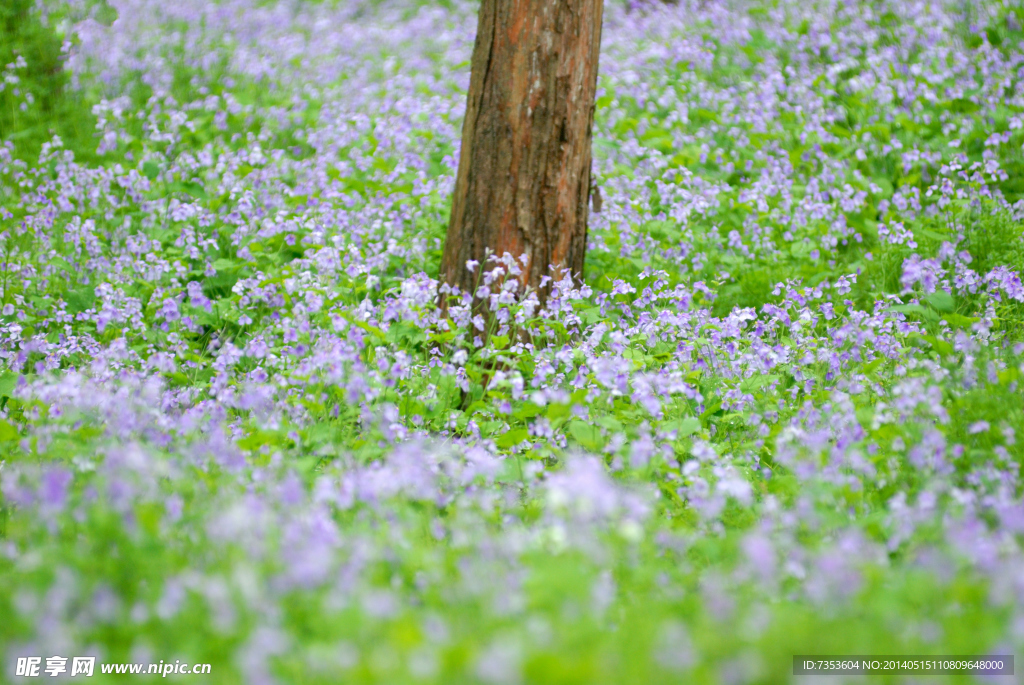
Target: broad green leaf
column 684, row 427
column 7, row 431
column 908, row 309
column 958, row 320
column 941, row 300
column 513, row 437
column 587, row 435
column 8, row 382
column 939, row 345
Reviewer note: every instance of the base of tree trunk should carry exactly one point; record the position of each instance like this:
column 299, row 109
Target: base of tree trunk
column 523, row 185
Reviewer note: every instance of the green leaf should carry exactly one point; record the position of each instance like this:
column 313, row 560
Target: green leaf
column 305, row 465
column 873, row 365
column 372, row 330
column 939, row 345
column 882, row 182
column 80, row 299
column 759, row 381
column 932, row 234
column 611, row 423
column 684, row 427
column 714, row 405
column 195, row 190
column 908, row 309
column 959, row 320
column 105, row 15
column 258, row 438
column 557, row 410
column 801, row 249
column 8, row 382
column 591, row 315
column 941, row 300
column 587, row 435
column 513, row 437
column 527, row 410
column 7, row 432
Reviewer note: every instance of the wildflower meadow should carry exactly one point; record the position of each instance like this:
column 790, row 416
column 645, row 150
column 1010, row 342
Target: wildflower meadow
column 781, row 414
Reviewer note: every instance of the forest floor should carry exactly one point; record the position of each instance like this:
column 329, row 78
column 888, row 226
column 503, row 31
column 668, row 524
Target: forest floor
column 781, row 417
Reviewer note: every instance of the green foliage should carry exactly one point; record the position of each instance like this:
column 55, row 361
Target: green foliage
column 40, row 104
column 197, row 461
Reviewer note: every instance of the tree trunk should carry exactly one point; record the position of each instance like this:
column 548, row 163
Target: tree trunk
column 524, row 168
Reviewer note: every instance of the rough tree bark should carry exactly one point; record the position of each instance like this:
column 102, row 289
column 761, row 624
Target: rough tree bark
column 524, row 168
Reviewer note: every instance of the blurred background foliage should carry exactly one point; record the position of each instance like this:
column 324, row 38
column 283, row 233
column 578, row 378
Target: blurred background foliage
column 37, row 101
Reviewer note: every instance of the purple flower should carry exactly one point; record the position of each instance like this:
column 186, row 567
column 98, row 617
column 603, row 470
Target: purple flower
column 53, row 489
